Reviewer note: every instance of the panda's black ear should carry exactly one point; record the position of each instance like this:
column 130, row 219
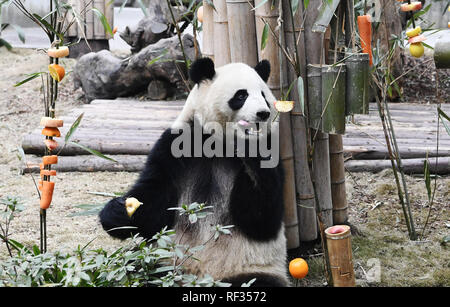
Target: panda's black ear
column 202, row 69
column 263, row 69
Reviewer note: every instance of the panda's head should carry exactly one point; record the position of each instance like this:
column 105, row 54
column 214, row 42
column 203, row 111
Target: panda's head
column 234, row 94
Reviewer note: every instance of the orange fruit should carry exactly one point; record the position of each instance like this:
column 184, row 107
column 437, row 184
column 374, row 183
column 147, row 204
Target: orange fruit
column 56, row 71
column 298, row 268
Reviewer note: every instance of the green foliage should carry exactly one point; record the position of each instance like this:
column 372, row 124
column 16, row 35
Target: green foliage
column 158, row 261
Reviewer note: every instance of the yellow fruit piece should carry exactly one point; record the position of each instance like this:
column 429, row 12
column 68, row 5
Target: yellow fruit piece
column 131, row 204
column 416, row 50
column 414, row 32
column 284, row 106
column 57, row 72
column 61, row 52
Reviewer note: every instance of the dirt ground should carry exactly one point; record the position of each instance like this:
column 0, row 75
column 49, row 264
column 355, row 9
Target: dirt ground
column 373, row 206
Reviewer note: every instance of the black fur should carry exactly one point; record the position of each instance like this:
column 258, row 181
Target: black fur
column 238, row 99
column 263, row 69
column 256, row 207
column 155, row 188
column 202, row 69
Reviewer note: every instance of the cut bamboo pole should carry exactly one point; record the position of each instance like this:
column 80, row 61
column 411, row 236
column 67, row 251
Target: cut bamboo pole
column 221, row 42
column 337, row 177
column 333, row 99
column 357, row 83
column 208, row 30
column 305, row 200
column 242, row 31
column 263, row 14
column 339, row 248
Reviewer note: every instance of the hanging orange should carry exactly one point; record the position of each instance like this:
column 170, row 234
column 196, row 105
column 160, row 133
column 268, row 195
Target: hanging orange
column 298, row 268
column 57, row 72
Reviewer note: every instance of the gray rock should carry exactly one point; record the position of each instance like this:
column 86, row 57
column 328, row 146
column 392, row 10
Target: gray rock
column 105, row 76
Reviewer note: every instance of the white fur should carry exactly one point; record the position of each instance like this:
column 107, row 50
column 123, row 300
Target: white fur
column 207, row 101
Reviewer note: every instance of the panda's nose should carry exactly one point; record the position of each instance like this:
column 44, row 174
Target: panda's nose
column 263, row 115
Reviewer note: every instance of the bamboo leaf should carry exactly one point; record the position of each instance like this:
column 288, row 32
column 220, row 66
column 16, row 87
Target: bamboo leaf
column 45, row 23
column 93, row 151
column 29, row 78
column 426, row 174
column 265, row 36
column 301, row 95
column 103, row 20
column 443, row 116
column 143, row 8
column 259, row 4
column 20, row 32
column 294, row 5
column 305, row 3
column 6, row 44
column 73, row 128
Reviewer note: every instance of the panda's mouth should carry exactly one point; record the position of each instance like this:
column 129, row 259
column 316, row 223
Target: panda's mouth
column 250, row 128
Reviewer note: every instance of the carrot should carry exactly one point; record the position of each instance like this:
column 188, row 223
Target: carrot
column 47, row 194
column 41, row 166
column 45, row 172
column 365, row 33
column 46, row 160
column 51, row 131
column 40, row 185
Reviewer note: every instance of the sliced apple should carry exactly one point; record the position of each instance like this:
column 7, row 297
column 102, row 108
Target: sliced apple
column 417, row 39
column 414, row 6
column 284, row 106
column 131, row 204
column 51, row 144
column 60, row 52
column 51, row 122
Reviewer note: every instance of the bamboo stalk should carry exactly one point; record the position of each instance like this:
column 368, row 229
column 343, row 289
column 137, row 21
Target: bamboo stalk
column 221, row 42
column 242, row 31
column 305, row 200
column 265, row 14
column 320, row 147
column 208, row 30
column 337, row 176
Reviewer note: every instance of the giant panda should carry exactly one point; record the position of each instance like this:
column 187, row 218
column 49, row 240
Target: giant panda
column 241, row 192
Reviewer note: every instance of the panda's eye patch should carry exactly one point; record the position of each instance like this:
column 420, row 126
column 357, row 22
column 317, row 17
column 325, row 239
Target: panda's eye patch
column 238, row 99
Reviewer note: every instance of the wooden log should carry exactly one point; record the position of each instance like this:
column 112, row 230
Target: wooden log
column 115, row 147
column 380, row 152
column 305, row 199
column 337, row 177
column 242, row 31
column 340, row 257
column 271, row 53
column 222, row 54
column 90, row 163
column 208, row 30
column 410, row 166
